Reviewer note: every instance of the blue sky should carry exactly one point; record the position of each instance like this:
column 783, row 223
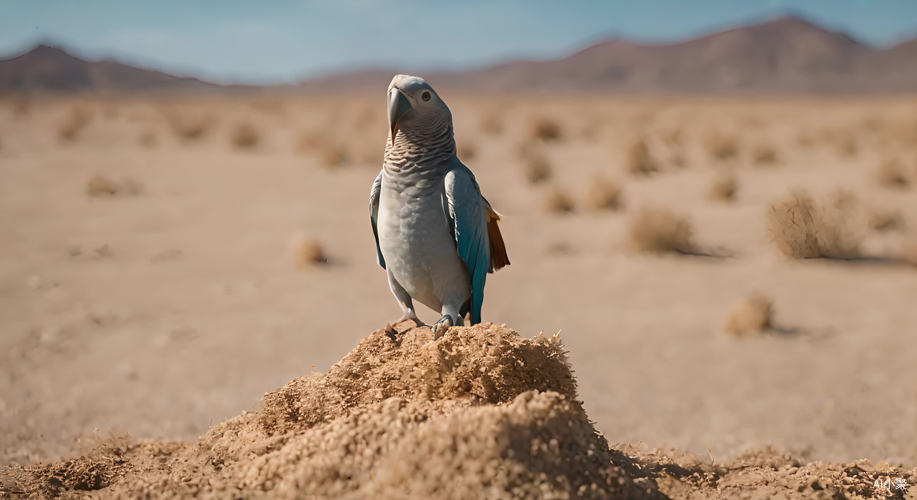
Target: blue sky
column 287, row 40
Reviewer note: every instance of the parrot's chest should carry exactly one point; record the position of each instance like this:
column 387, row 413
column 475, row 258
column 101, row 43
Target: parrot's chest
column 413, row 226
column 416, row 241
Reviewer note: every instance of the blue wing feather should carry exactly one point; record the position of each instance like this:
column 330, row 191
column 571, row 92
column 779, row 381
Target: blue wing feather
column 465, row 209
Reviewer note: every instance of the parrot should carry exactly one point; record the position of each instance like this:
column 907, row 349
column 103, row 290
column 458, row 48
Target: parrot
column 436, row 236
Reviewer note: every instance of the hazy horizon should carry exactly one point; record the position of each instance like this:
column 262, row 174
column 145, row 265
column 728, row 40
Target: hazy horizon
column 235, row 42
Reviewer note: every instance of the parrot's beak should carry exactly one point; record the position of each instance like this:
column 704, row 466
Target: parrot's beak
column 398, row 106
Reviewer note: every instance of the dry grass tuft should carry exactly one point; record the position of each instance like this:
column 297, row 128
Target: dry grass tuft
column 764, row 154
column 545, row 129
column 659, row 230
column 536, row 167
column 638, row 160
column 99, row 185
column 801, row 229
column 892, row 174
column 721, row 145
column 603, row 194
column 188, row 126
column 724, row 187
column 245, row 136
column 752, row 314
column 72, row 123
column 306, row 251
column 557, row 201
column 102, row 186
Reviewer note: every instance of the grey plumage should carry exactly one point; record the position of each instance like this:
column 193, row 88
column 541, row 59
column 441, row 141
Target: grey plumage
column 436, row 236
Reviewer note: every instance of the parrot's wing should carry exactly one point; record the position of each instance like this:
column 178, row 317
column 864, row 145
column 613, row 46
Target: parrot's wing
column 374, row 215
column 465, row 210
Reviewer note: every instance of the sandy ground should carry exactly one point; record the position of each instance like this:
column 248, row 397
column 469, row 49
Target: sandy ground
column 481, row 412
column 163, row 312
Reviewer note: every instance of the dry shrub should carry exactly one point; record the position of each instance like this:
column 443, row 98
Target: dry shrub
column 536, row 166
column 466, row 150
column 147, row 139
column 189, row 126
column 886, row 220
column 659, row 230
column 603, row 194
column 557, row 201
column 306, row 251
column 892, row 174
column 724, row 187
column 69, row 127
column 721, row 145
column 102, row 186
column 764, row 154
column 545, row 129
column 638, row 160
column 801, row 229
column 752, row 314
column 245, row 136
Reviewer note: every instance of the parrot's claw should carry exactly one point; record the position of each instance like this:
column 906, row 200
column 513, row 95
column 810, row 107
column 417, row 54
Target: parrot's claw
column 442, row 325
column 409, row 316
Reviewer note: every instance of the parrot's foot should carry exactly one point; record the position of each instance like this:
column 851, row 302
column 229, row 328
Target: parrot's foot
column 444, row 323
column 411, row 316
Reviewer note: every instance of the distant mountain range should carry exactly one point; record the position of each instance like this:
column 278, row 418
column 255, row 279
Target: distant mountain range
column 787, row 54
column 52, row 68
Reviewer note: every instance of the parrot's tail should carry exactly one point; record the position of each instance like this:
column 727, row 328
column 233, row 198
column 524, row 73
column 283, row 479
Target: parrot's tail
column 498, row 257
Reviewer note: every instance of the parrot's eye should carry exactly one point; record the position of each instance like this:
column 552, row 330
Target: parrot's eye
column 426, row 95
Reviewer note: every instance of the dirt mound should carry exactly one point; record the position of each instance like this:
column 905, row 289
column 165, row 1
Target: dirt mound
column 482, row 409
column 481, row 412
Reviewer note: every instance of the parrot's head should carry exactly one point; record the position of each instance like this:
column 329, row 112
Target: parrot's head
column 414, row 105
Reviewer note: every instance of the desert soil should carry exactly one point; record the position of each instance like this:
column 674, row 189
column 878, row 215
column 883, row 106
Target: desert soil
column 174, row 303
